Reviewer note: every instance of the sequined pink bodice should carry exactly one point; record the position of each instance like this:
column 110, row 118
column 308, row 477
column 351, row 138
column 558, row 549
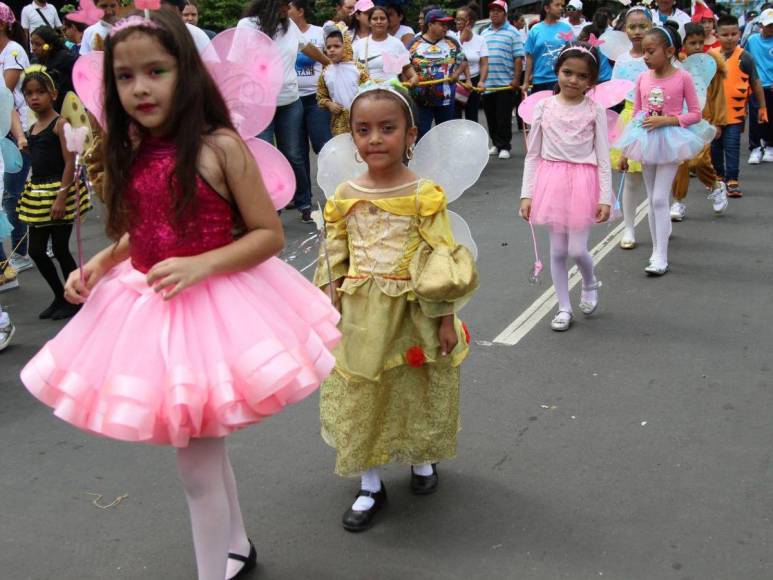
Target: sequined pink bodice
column 154, row 234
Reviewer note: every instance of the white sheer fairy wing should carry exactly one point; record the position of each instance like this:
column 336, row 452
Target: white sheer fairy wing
column 462, row 233
column 630, row 71
column 277, row 173
column 336, row 164
column 611, row 93
column 87, row 80
column 616, row 43
column 453, row 155
column 6, row 107
column 702, row 68
column 247, row 67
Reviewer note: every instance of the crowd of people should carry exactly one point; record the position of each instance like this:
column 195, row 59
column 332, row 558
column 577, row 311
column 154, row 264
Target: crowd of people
column 194, row 231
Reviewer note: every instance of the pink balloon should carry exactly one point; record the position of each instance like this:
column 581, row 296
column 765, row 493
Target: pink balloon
column 526, row 108
column 611, row 93
column 247, row 67
column 87, row 80
column 613, row 130
column 278, row 176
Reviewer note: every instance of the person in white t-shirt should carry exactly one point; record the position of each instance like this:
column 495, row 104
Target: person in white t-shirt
column 397, row 28
column 272, row 18
column 13, row 61
column 200, row 38
column 574, row 17
column 94, row 36
column 369, row 51
column 39, row 14
column 316, row 120
column 476, row 56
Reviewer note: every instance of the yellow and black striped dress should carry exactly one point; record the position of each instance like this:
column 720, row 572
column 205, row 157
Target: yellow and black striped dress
column 45, row 181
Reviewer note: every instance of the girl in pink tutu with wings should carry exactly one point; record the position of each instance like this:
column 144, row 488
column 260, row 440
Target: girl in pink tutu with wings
column 188, row 332
column 567, row 175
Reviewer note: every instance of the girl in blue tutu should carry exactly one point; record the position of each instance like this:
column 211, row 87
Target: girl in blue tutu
column 662, row 134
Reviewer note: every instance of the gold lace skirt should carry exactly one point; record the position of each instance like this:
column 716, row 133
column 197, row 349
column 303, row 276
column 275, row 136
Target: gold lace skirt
column 410, row 416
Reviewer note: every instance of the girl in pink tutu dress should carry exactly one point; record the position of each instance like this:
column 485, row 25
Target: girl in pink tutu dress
column 187, row 332
column 567, row 176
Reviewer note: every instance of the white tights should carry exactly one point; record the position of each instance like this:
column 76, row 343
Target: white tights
column 573, row 245
column 658, row 180
column 216, row 518
column 633, row 187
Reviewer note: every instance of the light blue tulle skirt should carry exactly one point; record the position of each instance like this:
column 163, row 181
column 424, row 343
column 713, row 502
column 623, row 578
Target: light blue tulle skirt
column 5, row 226
column 666, row 144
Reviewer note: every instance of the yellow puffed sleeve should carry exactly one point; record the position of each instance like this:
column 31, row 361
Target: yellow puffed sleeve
column 337, row 246
column 443, row 273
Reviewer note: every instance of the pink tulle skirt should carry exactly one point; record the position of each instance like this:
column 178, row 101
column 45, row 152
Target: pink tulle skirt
column 566, row 195
column 218, row 357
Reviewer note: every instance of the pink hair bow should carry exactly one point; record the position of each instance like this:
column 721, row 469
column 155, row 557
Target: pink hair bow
column 567, row 36
column 594, row 41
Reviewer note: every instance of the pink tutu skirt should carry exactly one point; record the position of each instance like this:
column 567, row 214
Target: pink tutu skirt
column 566, row 195
column 218, row 357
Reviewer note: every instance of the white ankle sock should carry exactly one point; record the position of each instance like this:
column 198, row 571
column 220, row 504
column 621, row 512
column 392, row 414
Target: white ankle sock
column 370, row 481
column 425, row 469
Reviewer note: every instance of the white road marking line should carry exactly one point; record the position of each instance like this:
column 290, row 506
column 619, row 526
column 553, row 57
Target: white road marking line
column 530, row 317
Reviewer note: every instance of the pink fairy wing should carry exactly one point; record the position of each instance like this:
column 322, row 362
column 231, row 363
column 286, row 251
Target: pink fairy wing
column 247, row 67
column 87, row 13
column 611, row 93
column 278, row 176
column 87, row 80
column 613, row 128
column 147, row 4
column 394, row 63
column 526, row 108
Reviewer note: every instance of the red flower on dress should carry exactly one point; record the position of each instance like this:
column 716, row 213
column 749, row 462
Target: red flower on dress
column 415, row 358
column 466, row 330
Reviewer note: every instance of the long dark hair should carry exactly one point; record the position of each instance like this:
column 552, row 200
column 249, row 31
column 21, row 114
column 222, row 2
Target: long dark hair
column 268, row 15
column 15, row 33
column 199, row 109
column 51, row 37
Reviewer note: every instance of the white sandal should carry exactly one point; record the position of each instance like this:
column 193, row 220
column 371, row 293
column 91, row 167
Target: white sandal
column 561, row 321
column 586, row 306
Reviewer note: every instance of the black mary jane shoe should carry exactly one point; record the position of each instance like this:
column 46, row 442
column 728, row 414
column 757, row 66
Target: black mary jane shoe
column 424, row 484
column 52, row 308
column 359, row 521
column 249, row 562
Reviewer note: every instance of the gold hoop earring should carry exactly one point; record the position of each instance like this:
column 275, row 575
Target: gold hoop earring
column 409, row 152
column 357, row 157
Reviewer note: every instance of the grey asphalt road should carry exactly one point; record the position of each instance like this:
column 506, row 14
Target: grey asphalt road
column 635, row 446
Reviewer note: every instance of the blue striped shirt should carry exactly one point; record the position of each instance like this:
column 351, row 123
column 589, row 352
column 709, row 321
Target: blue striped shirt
column 504, row 46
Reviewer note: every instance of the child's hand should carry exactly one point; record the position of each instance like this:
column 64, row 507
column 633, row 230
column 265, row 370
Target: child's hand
column 331, row 291
column 762, row 116
column 602, row 213
column 76, row 291
column 59, row 208
column 525, row 210
column 718, row 134
column 173, row 275
column 622, row 165
column 656, row 122
column 335, row 108
column 22, row 144
column 446, row 334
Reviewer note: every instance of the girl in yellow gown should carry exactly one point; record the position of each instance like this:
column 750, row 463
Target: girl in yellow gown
column 398, row 277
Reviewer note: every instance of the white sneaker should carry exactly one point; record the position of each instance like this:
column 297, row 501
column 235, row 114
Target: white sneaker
column 768, row 156
column 718, row 199
column 21, row 263
column 6, row 334
column 493, row 150
column 504, row 154
column 678, row 211
column 755, row 158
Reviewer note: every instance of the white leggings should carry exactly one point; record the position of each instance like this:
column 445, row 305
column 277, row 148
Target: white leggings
column 216, row 519
column 573, row 245
column 633, row 189
column 658, row 180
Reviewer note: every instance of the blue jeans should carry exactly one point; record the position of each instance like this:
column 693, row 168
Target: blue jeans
column 440, row 114
column 14, row 185
column 315, row 128
column 287, row 128
column 759, row 133
column 726, row 150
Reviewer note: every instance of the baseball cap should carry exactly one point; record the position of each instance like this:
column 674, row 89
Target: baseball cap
column 766, row 18
column 498, row 4
column 363, row 5
column 576, row 4
column 437, row 15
